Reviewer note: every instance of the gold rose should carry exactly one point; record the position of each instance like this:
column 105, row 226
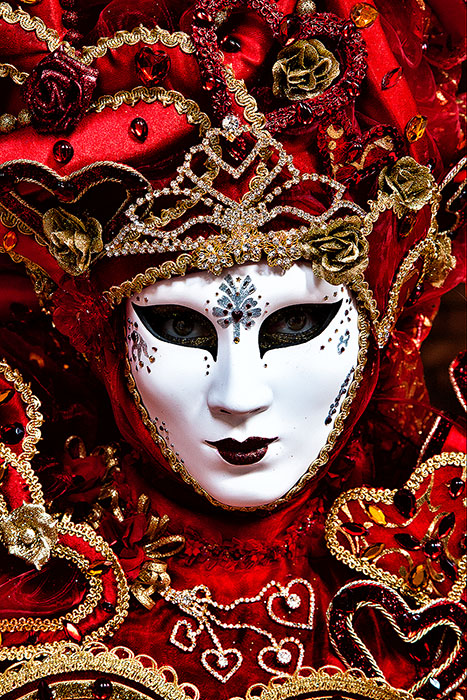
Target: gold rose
column 338, row 250
column 71, row 240
column 30, row 533
column 409, row 185
column 304, row 70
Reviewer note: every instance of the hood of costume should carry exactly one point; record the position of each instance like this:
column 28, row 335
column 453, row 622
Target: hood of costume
column 145, row 141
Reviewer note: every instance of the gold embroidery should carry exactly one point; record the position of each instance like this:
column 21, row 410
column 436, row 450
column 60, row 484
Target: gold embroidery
column 30, row 24
column 369, row 567
column 139, row 34
column 323, row 456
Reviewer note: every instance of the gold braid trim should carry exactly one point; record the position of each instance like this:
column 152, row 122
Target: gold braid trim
column 91, row 659
column 139, row 34
column 244, row 99
column 323, row 456
column 30, row 24
column 7, row 70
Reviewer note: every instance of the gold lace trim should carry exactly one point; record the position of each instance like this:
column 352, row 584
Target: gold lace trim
column 7, row 70
column 30, row 24
column 376, row 495
column 120, row 662
column 139, row 34
column 315, row 466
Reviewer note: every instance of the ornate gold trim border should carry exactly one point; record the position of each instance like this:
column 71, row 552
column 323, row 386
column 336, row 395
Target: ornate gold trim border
column 30, row 24
column 314, row 467
column 378, row 495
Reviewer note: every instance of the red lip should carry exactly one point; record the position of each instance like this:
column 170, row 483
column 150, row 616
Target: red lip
column 251, row 450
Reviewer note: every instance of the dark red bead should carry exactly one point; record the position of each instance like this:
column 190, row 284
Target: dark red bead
column 448, row 567
column 152, row 66
column 305, row 113
column 391, row 78
column 404, row 501
column 456, row 486
column 202, row 18
column 44, row 692
column 288, row 27
column 12, row 433
column 102, row 688
column 446, row 524
column 354, row 529
column 230, row 44
column 407, row 541
column 139, row 129
column 63, row 152
column 107, row 607
column 210, row 83
column 433, row 549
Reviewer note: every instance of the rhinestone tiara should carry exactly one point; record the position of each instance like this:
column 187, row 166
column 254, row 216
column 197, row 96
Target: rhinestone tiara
column 250, row 223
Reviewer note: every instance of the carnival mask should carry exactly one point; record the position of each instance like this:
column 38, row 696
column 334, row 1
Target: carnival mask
column 243, row 375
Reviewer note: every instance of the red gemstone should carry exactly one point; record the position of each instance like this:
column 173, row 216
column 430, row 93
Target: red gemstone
column 448, row 567
column 433, row 549
column 210, row 83
column 446, row 524
column 230, row 44
column 202, row 19
column 456, row 487
column 288, row 27
column 404, row 500
column 139, row 129
column 102, row 688
column 12, row 433
column 354, row 529
column 391, row 78
column 63, row 151
column 305, row 113
column 407, row 541
column 152, row 66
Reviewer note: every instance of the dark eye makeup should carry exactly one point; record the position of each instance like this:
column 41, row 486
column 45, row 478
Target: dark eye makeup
column 292, row 325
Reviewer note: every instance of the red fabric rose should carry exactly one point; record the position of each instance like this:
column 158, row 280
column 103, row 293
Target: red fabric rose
column 58, row 92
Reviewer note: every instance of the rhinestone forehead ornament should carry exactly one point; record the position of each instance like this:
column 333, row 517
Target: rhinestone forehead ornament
column 246, row 224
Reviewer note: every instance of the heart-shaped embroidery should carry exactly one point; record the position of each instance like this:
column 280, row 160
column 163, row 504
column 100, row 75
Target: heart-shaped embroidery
column 409, row 625
column 222, row 662
column 286, row 662
column 292, row 599
column 410, row 538
column 184, row 631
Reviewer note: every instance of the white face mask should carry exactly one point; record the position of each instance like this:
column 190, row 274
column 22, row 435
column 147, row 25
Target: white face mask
column 243, row 375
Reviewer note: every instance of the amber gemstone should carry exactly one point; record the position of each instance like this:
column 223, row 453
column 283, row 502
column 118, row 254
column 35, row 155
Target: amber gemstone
column 139, row 129
column 44, row 691
column 391, row 78
column 152, row 66
column 63, row 152
column 230, row 44
column 72, row 631
column 446, row 524
column 415, row 128
column 354, row 529
column 456, row 486
column 99, row 568
column 12, row 433
column 10, row 239
column 376, row 514
column 418, row 577
column 433, row 549
column 102, row 688
column 407, row 541
column 363, row 15
column 374, row 550
column 404, row 501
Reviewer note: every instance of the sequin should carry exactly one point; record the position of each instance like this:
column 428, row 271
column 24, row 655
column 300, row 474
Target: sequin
column 63, row 151
column 139, row 129
column 10, row 239
column 363, row 15
column 152, row 66
column 415, row 128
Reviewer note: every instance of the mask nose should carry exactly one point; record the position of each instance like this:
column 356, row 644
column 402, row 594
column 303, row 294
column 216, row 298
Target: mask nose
column 239, row 387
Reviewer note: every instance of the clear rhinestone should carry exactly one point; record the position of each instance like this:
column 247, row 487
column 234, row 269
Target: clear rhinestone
column 222, row 662
column 230, row 123
column 293, row 601
column 284, row 656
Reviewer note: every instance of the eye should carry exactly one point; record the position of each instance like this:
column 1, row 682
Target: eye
column 294, row 325
column 179, row 325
